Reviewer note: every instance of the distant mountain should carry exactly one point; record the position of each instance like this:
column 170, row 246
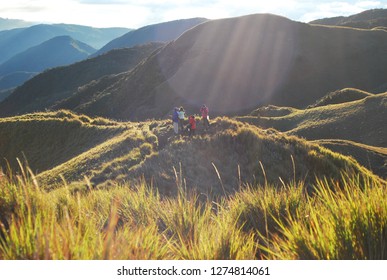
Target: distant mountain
column 161, row 32
column 15, row 41
column 367, row 19
column 55, row 85
column 6, row 23
column 57, row 51
column 62, row 50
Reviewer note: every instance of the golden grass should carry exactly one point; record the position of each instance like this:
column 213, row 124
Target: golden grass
column 135, row 222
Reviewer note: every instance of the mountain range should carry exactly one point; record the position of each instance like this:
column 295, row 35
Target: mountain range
column 232, row 66
column 22, row 61
column 18, row 40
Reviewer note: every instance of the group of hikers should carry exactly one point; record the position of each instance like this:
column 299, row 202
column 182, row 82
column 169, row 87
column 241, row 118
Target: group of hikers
column 178, row 119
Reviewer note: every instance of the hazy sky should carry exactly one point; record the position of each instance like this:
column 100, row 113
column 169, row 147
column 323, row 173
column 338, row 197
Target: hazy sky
column 135, row 13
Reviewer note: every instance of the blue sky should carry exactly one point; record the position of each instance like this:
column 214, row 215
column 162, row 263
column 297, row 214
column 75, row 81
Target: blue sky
column 135, row 13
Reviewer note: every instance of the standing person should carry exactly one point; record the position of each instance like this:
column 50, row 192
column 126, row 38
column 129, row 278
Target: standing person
column 192, row 125
column 181, row 115
column 175, row 120
column 205, row 116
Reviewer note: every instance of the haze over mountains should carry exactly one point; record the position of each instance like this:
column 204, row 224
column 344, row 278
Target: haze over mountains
column 41, row 57
column 15, row 42
column 18, row 40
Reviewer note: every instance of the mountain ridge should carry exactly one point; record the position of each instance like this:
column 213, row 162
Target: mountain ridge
column 369, row 19
column 160, row 32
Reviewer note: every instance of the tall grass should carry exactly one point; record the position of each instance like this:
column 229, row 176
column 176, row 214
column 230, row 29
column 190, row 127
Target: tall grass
column 346, row 222
column 135, row 222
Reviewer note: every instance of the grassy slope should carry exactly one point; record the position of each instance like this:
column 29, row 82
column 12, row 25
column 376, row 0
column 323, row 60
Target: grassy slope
column 214, row 162
column 41, row 217
column 135, row 222
column 341, row 96
column 374, row 158
column 360, row 121
column 49, row 139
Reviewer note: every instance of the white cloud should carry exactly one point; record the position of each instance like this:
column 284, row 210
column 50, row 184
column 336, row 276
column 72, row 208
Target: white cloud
column 134, row 13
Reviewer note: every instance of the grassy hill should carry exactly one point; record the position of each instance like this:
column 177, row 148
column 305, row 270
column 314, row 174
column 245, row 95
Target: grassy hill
column 233, row 192
column 374, row 158
column 341, row 96
column 239, row 72
column 49, row 139
column 360, row 121
column 55, row 85
column 72, row 146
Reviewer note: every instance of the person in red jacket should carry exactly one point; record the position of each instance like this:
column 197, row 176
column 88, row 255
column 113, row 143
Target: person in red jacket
column 205, row 116
column 192, row 125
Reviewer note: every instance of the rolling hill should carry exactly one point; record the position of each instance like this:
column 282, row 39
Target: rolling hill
column 56, row 85
column 341, row 96
column 376, row 18
column 267, row 59
column 18, row 40
column 161, row 32
column 356, row 128
column 73, row 146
